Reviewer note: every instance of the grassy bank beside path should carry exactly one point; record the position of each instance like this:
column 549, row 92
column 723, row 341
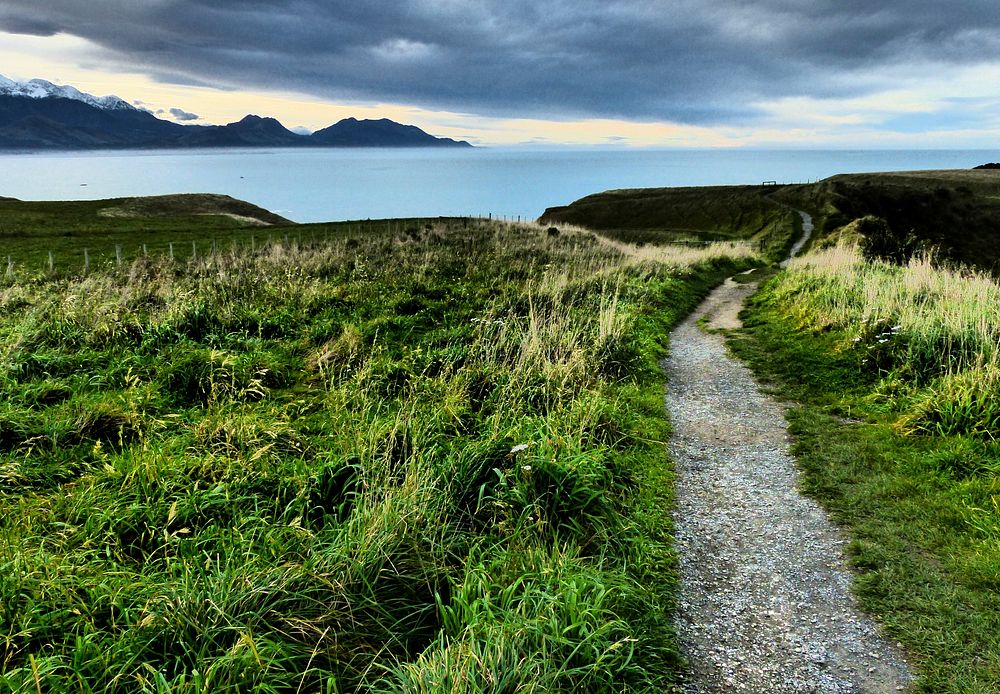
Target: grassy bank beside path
column 426, row 459
column 893, row 372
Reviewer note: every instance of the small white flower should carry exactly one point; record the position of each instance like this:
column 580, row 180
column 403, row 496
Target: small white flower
column 883, row 341
column 519, row 447
column 526, row 468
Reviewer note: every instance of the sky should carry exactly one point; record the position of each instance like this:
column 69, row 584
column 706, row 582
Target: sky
column 650, row 73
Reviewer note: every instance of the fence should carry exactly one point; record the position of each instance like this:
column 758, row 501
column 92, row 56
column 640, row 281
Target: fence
column 77, row 259
column 70, row 257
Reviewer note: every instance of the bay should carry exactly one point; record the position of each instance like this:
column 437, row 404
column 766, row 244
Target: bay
column 338, row 184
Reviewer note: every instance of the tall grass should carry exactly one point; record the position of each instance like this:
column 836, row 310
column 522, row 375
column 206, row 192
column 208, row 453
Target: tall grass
column 929, row 338
column 895, row 371
column 394, row 462
column 931, row 334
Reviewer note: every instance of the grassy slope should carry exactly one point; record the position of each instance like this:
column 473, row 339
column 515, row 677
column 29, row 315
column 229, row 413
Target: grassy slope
column 920, row 510
column 654, row 215
column 956, row 211
column 30, row 230
column 301, row 467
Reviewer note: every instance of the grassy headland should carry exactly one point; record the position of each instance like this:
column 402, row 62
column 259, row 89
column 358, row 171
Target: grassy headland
column 953, row 212
column 423, row 457
column 30, row 230
column 705, row 214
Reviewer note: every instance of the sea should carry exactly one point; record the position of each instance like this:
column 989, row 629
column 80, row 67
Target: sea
column 315, row 185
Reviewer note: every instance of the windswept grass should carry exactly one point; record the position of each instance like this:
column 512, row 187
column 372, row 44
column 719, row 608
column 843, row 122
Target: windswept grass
column 693, row 215
column 954, row 212
column 419, row 461
column 896, row 372
column 931, row 335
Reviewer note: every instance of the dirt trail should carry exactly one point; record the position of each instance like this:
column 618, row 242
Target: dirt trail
column 807, row 231
column 765, row 602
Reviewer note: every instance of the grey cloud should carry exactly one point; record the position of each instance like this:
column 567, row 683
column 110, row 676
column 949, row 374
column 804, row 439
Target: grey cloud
column 182, row 115
column 686, row 60
column 18, row 23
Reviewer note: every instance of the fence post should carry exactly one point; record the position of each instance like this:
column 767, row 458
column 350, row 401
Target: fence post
column 253, row 244
column 194, row 250
column 118, row 254
column 10, row 267
column 86, row 260
column 144, row 251
column 52, row 265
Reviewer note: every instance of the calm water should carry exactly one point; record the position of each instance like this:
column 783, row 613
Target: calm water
column 335, row 184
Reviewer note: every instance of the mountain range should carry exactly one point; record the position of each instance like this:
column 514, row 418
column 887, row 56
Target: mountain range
column 41, row 115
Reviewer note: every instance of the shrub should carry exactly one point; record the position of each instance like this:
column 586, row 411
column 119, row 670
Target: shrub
column 880, row 242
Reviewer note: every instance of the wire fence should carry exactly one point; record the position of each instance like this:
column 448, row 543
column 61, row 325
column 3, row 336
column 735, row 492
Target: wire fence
column 75, row 258
column 68, row 258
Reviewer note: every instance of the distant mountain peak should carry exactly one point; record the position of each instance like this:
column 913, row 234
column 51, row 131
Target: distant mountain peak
column 42, row 89
column 258, row 121
column 41, row 115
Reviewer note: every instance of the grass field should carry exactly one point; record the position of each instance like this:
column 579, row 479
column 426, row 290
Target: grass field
column 953, row 212
column 31, row 231
column 705, row 214
column 895, row 372
column 410, row 456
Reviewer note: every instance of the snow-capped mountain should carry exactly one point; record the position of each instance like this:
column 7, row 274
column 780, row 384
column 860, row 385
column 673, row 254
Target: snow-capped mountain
column 40, row 115
column 41, row 89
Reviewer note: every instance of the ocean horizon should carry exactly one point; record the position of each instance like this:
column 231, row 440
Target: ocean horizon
column 319, row 185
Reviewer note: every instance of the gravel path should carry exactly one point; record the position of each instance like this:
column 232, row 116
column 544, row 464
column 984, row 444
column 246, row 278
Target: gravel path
column 807, row 231
column 765, row 602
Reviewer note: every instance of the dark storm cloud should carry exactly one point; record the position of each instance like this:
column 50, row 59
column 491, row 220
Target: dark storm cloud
column 16, row 23
column 695, row 61
column 182, row 115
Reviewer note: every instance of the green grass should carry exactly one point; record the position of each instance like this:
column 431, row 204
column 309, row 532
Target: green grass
column 668, row 215
column 954, row 212
column 920, row 508
column 399, row 458
column 194, row 225
column 928, row 333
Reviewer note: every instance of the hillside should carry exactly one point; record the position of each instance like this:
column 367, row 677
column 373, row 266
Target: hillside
column 957, row 211
column 192, row 204
column 658, row 215
column 20, row 218
column 33, row 231
column 423, row 455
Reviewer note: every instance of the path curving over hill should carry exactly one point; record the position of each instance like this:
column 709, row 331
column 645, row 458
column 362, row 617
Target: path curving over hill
column 807, row 231
column 764, row 602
